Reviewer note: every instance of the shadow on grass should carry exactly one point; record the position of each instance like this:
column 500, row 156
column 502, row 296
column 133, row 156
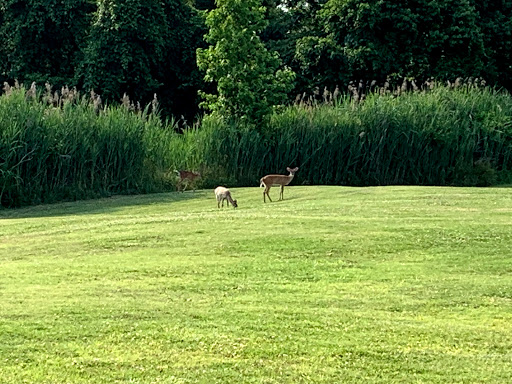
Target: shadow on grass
column 277, row 201
column 99, row 206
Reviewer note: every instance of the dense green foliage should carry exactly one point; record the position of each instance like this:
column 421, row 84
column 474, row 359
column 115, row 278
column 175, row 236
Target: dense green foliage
column 289, row 22
column 139, row 48
column 444, row 136
column 127, row 42
column 114, row 47
column 249, row 81
column 333, row 285
column 146, row 47
column 416, row 38
column 69, row 148
column 61, row 149
column 334, row 42
column 42, row 40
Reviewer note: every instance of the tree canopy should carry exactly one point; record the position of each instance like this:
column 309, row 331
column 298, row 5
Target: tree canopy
column 249, row 81
column 248, row 49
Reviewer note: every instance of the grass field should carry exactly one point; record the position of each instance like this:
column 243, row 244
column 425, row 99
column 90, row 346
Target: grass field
column 331, row 285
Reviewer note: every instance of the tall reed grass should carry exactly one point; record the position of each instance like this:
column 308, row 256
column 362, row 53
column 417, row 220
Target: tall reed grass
column 439, row 136
column 64, row 147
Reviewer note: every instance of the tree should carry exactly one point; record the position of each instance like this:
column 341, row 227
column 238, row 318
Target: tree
column 288, row 22
column 179, row 75
column 42, row 40
column 376, row 40
column 125, row 46
column 495, row 20
column 248, row 76
column 143, row 47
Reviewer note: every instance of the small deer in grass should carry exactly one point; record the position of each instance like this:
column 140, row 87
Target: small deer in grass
column 186, row 178
column 277, row 180
column 222, row 194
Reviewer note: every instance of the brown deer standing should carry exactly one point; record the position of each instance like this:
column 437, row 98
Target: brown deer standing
column 277, row 180
column 222, row 194
column 186, row 178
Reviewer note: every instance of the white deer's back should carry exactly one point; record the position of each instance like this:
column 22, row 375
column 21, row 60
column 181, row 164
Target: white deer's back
column 221, row 192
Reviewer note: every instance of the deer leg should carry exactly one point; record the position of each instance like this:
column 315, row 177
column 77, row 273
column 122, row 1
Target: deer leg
column 281, row 195
column 267, row 189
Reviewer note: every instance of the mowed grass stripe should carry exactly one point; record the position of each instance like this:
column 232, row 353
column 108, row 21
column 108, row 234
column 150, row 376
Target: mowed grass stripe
column 333, row 284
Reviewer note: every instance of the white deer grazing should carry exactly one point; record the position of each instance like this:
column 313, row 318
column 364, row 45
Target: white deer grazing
column 277, row 180
column 222, row 194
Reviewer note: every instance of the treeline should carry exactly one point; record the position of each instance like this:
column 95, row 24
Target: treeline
column 70, row 147
column 113, row 47
column 143, row 47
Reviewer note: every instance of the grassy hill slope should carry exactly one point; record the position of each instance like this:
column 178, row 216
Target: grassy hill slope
column 331, row 285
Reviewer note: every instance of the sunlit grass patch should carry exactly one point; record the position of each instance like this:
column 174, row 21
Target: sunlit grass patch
column 333, row 284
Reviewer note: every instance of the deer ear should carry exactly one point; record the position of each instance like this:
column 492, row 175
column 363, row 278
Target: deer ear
column 296, row 169
column 288, row 169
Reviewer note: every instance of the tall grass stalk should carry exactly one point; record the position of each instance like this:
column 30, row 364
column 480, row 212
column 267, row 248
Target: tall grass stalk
column 68, row 147
column 441, row 137
column 65, row 149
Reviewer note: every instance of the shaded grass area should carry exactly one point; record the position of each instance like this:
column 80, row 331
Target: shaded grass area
column 334, row 284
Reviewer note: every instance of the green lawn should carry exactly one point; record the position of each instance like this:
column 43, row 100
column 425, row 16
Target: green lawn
column 331, row 285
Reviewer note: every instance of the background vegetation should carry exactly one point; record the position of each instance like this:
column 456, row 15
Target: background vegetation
column 142, row 47
column 408, row 125
column 71, row 147
column 249, row 81
column 54, row 148
column 441, row 137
